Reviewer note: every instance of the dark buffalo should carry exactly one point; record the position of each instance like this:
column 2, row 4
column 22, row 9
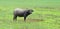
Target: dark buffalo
column 22, row 13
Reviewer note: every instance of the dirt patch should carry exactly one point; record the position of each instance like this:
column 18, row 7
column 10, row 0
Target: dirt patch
column 33, row 20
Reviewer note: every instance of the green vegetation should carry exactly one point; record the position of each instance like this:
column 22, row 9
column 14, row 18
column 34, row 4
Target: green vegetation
column 45, row 16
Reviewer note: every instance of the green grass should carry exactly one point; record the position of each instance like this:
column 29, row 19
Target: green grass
column 42, row 18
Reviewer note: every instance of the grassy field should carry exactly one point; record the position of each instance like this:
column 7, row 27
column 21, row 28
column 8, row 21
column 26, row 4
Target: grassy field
column 45, row 16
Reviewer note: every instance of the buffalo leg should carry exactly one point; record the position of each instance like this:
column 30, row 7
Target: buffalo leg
column 24, row 18
column 15, row 18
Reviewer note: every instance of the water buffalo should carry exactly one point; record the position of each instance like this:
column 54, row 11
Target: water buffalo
column 21, row 13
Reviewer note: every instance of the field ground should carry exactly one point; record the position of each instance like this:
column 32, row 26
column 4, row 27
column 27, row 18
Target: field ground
column 45, row 16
